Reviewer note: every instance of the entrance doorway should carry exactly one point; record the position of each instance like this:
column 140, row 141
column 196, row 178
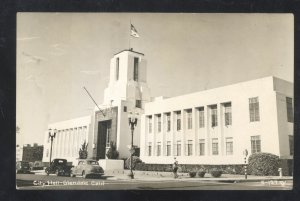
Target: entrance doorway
column 104, row 137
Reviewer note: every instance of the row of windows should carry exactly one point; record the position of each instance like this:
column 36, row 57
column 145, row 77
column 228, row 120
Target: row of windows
column 253, row 114
column 189, row 147
column 255, row 146
column 214, row 118
column 135, row 68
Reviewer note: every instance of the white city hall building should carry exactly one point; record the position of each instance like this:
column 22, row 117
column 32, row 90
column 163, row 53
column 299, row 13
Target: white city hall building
column 208, row 127
column 127, row 92
column 215, row 126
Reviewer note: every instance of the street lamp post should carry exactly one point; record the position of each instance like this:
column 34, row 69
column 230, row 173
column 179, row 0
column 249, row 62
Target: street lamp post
column 245, row 154
column 51, row 136
column 132, row 123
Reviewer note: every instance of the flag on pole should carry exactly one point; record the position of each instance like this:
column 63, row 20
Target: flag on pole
column 133, row 32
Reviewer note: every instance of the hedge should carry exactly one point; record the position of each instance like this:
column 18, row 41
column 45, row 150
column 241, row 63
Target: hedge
column 263, row 164
column 185, row 168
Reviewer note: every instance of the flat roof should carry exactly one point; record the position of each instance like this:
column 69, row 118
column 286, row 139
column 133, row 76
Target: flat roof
column 129, row 50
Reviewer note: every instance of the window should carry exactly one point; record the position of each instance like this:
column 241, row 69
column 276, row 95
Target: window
column 158, row 149
column 168, row 115
column 117, row 68
column 254, row 109
column 289, row 109
column 201, row 117
column 189, row 118
column 255, row 144
column 291, row 142
column 178, row 120
column 229, row 146
column 190, row 148
column 228, row 118
column 215, row 146
column 214, row 116
column 178, row 148
column 47, row 153
column 125, row 109
column 136, row 69
column 169, row 148
column 202, row 147
column 158, row 123
column 149, row 148
column 150, row 124
column 138, row 103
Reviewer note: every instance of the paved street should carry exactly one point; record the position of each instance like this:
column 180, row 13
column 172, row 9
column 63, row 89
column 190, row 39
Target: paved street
column 52, row 182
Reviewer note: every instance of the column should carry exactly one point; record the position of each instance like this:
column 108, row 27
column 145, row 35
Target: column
column 207, row 127
column 220, row 129
column 182, row 133
column 59, row 143
column 55, row 143
column 72, row 143
column 194, row 129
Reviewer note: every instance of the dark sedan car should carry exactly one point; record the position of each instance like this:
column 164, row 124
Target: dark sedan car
column 22, row 167
column 87, row 167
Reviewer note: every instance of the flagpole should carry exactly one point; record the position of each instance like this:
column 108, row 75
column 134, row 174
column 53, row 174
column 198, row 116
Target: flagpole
column 129, row 33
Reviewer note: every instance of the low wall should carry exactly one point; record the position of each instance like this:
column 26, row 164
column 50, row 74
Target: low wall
column 109, row 164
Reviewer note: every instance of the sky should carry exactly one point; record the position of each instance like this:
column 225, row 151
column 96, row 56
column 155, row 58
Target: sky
column 60, row 53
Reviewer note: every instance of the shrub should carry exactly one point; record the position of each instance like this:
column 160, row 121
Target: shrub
column 192, row 174
column 112, row 152
column 216, row 172
column 263, row 164
column 83, row 153
column 201, row 173
column 135, row 160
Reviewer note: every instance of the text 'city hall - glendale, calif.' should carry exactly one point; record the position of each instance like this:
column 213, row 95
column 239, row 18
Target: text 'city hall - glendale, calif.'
column 213, row 126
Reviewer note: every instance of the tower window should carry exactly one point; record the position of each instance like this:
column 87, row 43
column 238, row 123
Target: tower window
column 117, row 68
column 136, row 69
column 138, row 103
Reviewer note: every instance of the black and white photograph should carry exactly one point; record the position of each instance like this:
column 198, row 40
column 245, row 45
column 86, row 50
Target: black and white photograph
column 154, row 101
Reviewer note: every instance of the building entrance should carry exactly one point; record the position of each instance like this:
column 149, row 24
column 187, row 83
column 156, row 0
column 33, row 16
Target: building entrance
column 104, row 137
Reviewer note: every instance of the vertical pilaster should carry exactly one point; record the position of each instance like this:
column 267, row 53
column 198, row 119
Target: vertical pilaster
column 194, row 129
column 207, row 128
column 220, row 130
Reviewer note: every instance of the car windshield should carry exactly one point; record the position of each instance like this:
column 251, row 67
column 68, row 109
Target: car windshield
column 92, row 163
column 25, row 163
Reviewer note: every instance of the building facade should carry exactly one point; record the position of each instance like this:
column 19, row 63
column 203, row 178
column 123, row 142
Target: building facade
column 126, row 95
column 32, row 153
column 208, row 127
column 216, row 126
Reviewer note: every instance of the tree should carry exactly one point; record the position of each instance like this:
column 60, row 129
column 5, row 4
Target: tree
column 263, row 164
column 112, row 152
column 83, row 153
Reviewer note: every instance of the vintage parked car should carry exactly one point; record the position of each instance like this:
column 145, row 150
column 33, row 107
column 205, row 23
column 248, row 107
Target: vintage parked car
column 59, row 167
column 22, row 167
column 87, row 167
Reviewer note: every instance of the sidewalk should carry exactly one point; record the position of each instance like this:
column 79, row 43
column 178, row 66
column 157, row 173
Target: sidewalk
column 168, row 176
